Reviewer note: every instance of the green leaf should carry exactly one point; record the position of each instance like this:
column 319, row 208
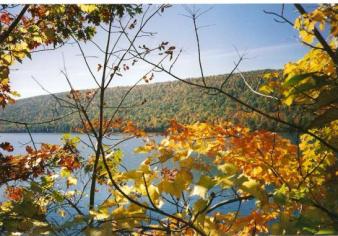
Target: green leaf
column 228, row 169
column 327, row 232
column 206, row 182
column 48, row 181
column 327, row 117
column 280, row 195
column 28, row 55
column 35, row 187
column 326, row 98
column 200, row 204
column 57, row 196
column 309, row 229
column 304, row 88
column 254, row 188
column 297, row 78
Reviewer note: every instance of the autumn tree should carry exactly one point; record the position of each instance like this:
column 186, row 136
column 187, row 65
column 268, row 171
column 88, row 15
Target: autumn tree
column 301, row 199
column 201, row 178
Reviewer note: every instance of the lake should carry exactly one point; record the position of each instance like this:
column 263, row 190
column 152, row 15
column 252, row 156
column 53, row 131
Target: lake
column 130, row 161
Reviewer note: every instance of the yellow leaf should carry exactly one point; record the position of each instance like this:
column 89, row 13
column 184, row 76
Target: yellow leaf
column 289, row 100
column 64, row 172
column 206, row 182
column 108, row 203
column 58, row 8
column 37, row 39
column 70, row 194
column 256, row 171
column 62, row 213
column 265, row 89
column 254, row 188
column 15, row 94
column 100, row 215
column 71, row 181
column 224, row 182
column 228, row 169
column 306, row 37
column 318, row 15
column 143, row 149
column 199, row 205
column 199, row 191
column 181, row 183
column 5, row 82
column 8, row 59
column 88, row 8
column 297, row 23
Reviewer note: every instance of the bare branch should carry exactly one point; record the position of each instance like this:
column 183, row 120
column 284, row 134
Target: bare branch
column 251, row 89
column 85, row 60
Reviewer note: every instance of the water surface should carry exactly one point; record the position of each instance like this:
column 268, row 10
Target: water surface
column 130, row 161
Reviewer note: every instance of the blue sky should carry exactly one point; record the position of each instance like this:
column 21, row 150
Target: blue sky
column 267, row 44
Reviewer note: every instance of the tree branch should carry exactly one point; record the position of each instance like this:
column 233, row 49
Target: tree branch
column 5, row 34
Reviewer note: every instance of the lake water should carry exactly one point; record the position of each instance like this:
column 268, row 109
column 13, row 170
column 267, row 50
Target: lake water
column 130, row 161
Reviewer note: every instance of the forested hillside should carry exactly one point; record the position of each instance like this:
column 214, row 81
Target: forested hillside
column 202, row 175
column 151, row 106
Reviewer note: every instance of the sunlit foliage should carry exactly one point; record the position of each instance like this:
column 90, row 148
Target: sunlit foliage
column 199, row 177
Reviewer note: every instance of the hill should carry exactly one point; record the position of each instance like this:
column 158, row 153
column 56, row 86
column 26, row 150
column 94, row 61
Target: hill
column 162, row 102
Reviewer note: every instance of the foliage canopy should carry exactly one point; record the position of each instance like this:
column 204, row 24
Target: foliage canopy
column 196, row 180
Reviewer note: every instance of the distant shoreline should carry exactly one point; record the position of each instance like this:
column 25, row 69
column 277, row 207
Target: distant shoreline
column 70, row 132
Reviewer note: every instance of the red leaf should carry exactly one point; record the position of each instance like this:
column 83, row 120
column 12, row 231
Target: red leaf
column 7, row 146
column 14, row 193
column 29, row 149
column 5, row 18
